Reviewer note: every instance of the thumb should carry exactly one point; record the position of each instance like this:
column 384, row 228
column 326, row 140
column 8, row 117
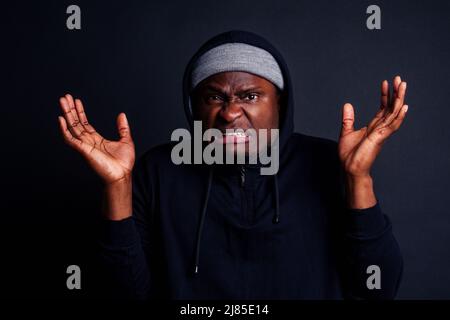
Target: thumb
column 348, row 119
column 123, row 127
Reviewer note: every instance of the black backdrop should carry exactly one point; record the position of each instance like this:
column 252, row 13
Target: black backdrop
column 129, row 56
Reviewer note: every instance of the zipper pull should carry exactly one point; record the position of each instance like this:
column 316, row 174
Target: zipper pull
column 242, row 176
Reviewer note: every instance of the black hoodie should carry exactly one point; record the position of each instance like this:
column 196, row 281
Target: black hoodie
column 227, row 232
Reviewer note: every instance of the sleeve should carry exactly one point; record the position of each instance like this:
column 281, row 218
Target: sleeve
column 371, row 263
column 124, row 245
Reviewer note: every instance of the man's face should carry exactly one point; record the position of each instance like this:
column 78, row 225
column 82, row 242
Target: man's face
column 237, row 100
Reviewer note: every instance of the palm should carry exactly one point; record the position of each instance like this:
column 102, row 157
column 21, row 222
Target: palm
column 111, row 160
column 358, row 149
column 350, row 147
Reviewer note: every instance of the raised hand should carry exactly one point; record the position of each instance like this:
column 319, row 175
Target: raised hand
column 358, row 149
column 112, row 160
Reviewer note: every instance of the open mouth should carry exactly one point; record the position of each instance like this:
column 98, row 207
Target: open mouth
column 234, row 138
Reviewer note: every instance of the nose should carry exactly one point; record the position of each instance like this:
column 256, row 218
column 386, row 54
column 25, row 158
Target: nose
column 231, row 111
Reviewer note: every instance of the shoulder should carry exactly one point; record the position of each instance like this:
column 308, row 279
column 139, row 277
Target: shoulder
column 316, row 159
column 312, row 155
column 311, row 145
column 154, row 159
column 157, row 161
column 159, row 154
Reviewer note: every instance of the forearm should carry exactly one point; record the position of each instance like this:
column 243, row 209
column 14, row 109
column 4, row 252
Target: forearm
column 381, row 252
column 123, row 260
column 359, row 192
column 122, row 253
column 117, row 203
column 369, row 242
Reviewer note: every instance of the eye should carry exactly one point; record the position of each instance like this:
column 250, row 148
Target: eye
column 251, row 96
column 214, row 98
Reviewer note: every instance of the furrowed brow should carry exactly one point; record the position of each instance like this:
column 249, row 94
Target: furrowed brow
column 248, row 90
column 211, row 88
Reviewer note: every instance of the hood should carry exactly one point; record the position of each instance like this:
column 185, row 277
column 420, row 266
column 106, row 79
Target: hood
column 286, row 125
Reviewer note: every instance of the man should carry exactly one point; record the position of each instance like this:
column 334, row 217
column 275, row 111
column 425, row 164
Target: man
column 227, row 231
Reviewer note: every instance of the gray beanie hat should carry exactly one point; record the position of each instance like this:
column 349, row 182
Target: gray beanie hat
column 237, row 57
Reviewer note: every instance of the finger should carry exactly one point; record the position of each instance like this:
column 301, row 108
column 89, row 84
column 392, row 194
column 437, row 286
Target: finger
column 398, row 103
column 72, row 107
column 402, row 90
column 395, row 85
column 83, row 117
column 68, row 137
column 123, row 128
column 384, row 105
column 73, row 124
column 83, row 131
column 395, row 125
column 348, row 119
column 63, row 127
column 384, row 94
column 376, row 119
column 389, row 97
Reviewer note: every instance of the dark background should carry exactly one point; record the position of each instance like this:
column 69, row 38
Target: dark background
column 130, row 55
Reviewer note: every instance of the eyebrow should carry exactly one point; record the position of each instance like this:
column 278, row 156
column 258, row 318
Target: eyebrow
column 240, row 91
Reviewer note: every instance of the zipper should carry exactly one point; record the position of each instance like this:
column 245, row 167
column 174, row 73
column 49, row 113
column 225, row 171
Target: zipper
column 246, row 288
column 242, row 176
column 244, row 200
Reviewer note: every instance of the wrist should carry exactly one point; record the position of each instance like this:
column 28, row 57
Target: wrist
column 359, row 192
column 365, row 179
column 118, row 199
column 124, row 181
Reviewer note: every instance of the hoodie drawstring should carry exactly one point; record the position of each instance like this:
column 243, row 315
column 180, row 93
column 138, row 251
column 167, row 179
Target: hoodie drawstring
column 202, row 220
column 276, row 218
